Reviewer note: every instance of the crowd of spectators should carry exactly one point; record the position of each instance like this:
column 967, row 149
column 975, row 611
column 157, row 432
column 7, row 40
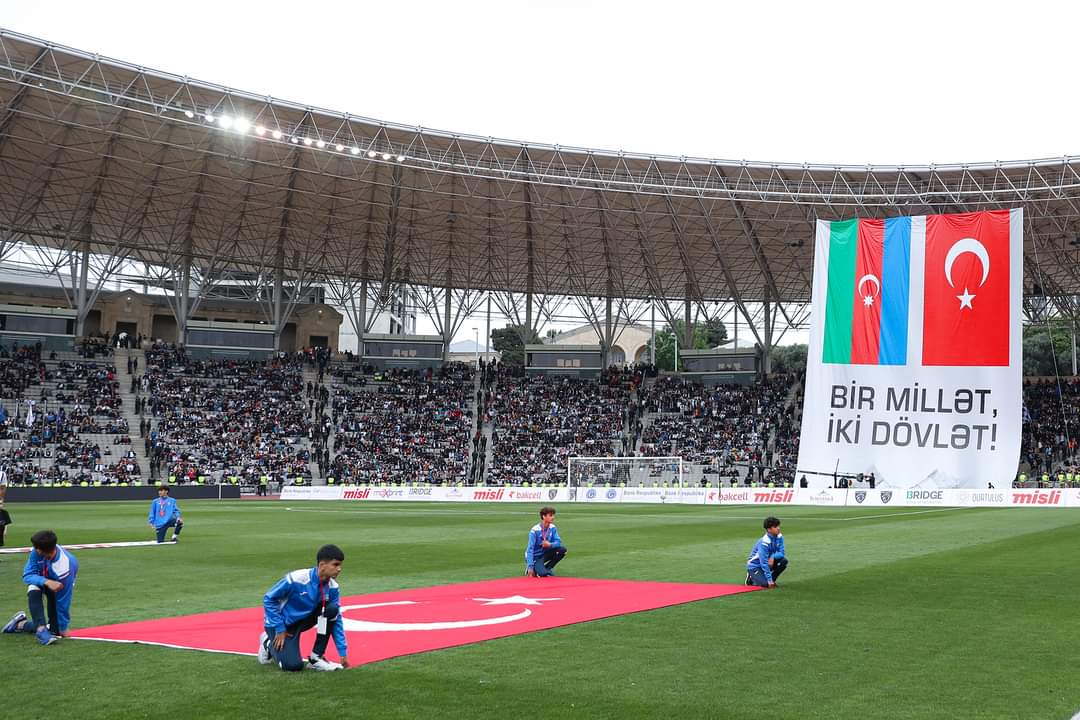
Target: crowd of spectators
column 400, row 425
column 724, row 427
column 538, row 422
column 1051, row 424
column 219, row 419
column 51, row 412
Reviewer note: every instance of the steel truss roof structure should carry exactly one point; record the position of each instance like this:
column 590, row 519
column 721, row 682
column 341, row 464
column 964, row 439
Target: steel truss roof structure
column 107, row 157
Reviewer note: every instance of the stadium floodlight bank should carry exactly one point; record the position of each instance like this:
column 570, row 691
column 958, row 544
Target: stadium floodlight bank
column 25, row 325
column 231, row 340
column 569, row 360
column 413, row 352
column 625, row 472
column 719, row 366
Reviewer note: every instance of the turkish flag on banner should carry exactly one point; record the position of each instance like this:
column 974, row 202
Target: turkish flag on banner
column 966, row 296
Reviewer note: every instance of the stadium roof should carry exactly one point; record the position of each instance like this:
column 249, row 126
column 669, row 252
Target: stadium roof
column 111, row 156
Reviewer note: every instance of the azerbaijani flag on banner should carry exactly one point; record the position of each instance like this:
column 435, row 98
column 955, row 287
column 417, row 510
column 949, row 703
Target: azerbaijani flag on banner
column 866, row 306
column 948, row 281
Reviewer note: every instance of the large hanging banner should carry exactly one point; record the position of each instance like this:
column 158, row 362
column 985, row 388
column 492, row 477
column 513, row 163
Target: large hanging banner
column 914, row 365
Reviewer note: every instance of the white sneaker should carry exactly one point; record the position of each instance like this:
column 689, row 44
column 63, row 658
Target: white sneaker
column 317, row 662
column 264, row 649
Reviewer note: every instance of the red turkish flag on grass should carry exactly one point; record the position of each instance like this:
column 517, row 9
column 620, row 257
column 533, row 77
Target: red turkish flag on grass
column 966, row 297
column 403, row 622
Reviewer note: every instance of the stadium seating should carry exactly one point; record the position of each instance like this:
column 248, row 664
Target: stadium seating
column 220, row 418
column 228, row 421
column 540, row 421
column 401, row 426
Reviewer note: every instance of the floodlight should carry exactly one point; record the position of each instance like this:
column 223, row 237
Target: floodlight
column 371, row 153
column 401, row 158
column 320, row 144
column 225, row 122
column 189, row 114
column 307, row 141
column 355, row 151
column 276, row 134
column 386, row 156
column 209, row 117
column 260, row 130
column 339, row 148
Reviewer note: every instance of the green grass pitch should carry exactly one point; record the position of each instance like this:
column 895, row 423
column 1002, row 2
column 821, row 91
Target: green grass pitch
column 891, row 613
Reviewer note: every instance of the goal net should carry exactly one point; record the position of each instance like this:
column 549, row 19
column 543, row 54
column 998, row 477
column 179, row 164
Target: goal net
column 624, row 472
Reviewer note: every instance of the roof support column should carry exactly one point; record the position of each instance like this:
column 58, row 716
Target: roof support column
column 766, row 351
column 279, row 277
column 182, row 300
column 652, row 331
column 527, row 332
column 361, row 325
column 688, row 327
column 447, row 329
column 1074, row 346
column 80, row 293
column 608, row 335
column 487, row 331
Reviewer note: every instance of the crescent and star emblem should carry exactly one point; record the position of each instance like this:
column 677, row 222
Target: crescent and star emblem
column 976, row 248
column 868, row 300
column 374, row 626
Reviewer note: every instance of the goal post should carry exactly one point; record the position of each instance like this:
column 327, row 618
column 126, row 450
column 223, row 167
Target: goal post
column 625, row 472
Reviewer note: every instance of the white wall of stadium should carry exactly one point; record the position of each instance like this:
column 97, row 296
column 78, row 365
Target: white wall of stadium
column 1037, row 498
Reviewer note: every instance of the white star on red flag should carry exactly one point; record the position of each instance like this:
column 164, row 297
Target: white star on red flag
column 965, row 300
column 515, row 600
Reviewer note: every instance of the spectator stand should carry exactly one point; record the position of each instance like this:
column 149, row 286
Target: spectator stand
column 724, row 433
column 539, row 421
column 64, row 425
column 226, row 421
column 401, row 426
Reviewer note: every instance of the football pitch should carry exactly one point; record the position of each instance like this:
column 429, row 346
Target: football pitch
column 890, row 613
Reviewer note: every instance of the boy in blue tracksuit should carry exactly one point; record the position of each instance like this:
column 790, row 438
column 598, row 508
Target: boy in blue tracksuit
column 165, row 514
column 545, row 548
column 49, row 575
column 767, row 559
column 305, row 599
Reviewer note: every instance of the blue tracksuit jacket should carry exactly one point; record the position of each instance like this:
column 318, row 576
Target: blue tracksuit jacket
column 765, row 548
column 162, row 510
column 63, row 568
column 535, row 549
column 296, row 596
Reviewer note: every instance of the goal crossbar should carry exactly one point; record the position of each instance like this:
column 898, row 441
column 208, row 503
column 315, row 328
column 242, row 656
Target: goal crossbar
column 623, row 470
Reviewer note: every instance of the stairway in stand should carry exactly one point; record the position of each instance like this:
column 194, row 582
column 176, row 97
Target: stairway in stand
column 311, row 375
column 127, row 408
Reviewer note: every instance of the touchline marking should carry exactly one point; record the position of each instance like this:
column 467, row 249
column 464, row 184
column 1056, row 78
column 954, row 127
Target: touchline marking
column 900, row 514
column 411, row 511
column 90, row 546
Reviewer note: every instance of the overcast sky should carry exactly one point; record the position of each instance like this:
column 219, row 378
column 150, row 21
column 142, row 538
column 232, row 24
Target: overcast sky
column 860, row 82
